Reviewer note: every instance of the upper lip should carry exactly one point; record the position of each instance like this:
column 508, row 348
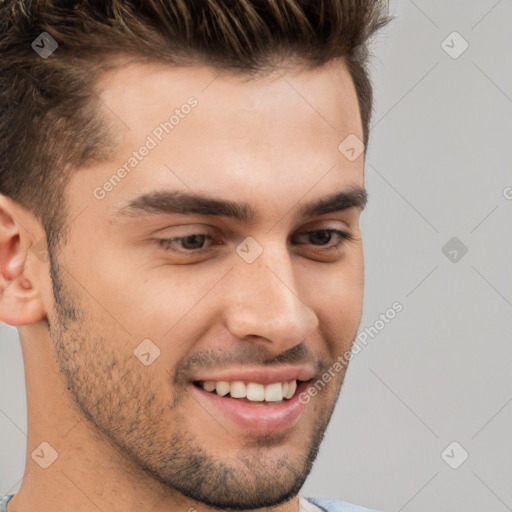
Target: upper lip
column 260, row 375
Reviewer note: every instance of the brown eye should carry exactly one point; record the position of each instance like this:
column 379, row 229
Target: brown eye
column 189, row 243
column 323, row 237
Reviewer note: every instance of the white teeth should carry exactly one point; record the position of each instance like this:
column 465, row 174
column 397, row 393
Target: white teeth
column 209, row 385
column 253, row 391
column 238, row 390
column 292, row 386
column 222, row 388
column 274, row 392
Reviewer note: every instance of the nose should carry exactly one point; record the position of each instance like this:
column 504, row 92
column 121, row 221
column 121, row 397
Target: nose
column 265, row 302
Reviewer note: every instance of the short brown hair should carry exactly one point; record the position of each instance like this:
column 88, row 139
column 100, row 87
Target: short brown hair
column 49, row 113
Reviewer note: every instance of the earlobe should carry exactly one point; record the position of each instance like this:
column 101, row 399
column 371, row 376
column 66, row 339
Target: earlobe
column 20, row 272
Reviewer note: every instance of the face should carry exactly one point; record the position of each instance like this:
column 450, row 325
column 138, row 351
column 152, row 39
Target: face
column 221, row 268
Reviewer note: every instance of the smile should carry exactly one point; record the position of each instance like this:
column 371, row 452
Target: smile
column 252, row 391
column 251, row 406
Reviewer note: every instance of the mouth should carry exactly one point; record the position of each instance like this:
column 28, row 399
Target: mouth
column 252, row 406
column 252, row 392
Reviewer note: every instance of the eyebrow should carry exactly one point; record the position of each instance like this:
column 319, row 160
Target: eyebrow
column 189, row 203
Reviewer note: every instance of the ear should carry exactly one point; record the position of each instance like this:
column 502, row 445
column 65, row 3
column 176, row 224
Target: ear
column 22, row 265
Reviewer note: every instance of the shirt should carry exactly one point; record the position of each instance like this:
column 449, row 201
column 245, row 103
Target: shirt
column 308, row 504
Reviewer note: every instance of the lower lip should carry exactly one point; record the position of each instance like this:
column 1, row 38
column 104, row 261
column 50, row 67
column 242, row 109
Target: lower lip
column 257, row 417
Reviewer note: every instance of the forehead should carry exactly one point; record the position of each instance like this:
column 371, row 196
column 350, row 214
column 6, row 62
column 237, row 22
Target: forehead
column 242, row 138
column 139, row 95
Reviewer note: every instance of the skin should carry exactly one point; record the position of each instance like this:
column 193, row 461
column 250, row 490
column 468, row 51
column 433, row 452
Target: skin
column 126, row 433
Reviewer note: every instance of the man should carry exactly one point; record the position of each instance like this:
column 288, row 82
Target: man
column 181, row 185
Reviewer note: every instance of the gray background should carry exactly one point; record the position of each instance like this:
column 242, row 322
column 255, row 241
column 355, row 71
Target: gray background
column 438, row 166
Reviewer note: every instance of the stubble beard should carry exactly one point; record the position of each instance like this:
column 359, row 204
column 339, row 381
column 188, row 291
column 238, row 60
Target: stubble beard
column 122, row 409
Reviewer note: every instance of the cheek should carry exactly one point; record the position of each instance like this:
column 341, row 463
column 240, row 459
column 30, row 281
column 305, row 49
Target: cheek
column 337, row 299
column 342, row 303
column 145, row 300
column 336, row 284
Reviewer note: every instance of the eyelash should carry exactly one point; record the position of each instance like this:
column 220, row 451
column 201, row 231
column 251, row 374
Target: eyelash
column 166, row 243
